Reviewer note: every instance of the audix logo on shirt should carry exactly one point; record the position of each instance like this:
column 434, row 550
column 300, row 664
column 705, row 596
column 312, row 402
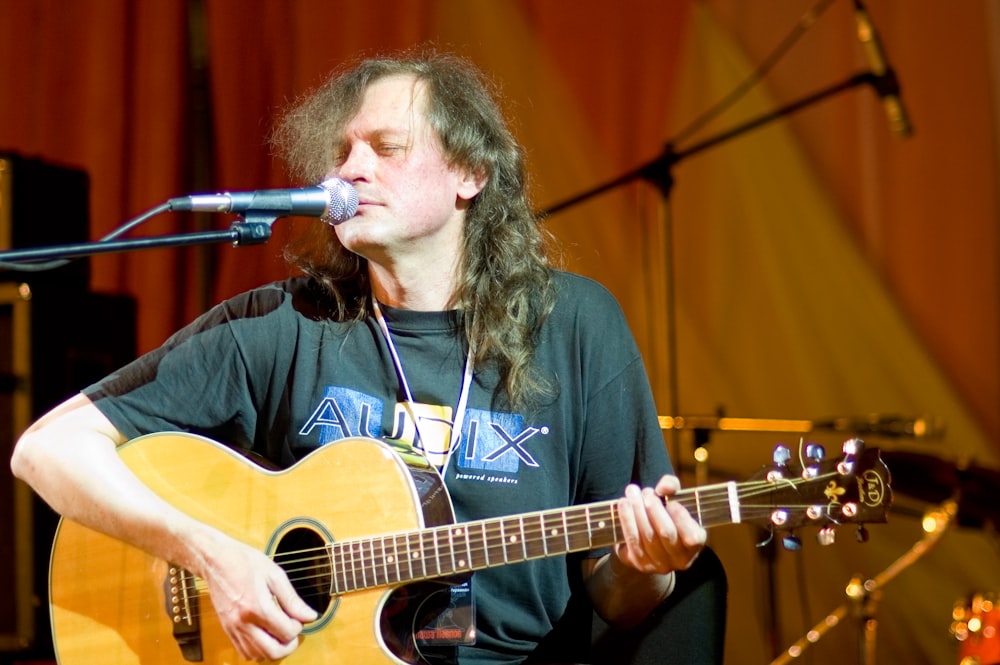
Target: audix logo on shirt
column 490, row 441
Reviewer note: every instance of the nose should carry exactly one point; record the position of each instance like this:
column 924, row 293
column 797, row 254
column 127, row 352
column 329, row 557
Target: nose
column 355, row 164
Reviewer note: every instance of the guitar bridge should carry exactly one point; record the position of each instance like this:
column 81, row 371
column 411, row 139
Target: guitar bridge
column 181, row 601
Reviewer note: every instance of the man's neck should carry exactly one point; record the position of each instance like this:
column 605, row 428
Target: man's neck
column 427, row 288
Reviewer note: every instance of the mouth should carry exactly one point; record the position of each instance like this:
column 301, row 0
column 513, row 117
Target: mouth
column 366, row 203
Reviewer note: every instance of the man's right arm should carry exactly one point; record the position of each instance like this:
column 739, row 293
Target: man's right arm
column 69, row 458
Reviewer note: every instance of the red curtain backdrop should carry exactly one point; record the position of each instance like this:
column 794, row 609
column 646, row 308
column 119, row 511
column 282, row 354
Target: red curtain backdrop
column 821, row 265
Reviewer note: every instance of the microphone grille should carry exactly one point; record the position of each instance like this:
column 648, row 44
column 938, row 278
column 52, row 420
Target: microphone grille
column 343, row 201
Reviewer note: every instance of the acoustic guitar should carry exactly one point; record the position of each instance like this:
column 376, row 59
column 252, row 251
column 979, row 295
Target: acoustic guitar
column 368, row 538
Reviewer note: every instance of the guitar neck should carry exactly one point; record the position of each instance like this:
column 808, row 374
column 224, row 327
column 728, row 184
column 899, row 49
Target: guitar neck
column 462, row 548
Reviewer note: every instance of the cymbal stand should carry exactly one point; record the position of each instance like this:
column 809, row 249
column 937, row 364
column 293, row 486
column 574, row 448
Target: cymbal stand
column 864, row 595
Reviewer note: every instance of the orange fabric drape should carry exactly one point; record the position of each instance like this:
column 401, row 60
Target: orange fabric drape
column 102, row 86
column 923, row 210
column 263, row 54
column 781, row 238
column 105, row 86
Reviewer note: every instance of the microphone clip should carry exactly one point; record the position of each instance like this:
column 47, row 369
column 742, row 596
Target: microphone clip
column 254, row 229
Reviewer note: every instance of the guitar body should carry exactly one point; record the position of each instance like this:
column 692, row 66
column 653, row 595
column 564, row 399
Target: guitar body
column 110, row 602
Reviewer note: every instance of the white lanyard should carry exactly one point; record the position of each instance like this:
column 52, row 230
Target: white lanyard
column 463, row 395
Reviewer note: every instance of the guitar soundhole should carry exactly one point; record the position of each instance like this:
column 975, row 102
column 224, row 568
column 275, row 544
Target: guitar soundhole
column 303, row 555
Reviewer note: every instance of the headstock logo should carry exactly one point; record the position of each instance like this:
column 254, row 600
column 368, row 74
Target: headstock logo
column 871, row 488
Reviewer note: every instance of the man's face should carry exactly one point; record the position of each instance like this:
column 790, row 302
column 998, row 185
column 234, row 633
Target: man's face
column 411, row 201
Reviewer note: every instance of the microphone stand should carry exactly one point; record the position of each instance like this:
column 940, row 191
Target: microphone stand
column 659, row 173
column 255, row 229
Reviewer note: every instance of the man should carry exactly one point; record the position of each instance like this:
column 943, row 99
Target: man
column 430, row 318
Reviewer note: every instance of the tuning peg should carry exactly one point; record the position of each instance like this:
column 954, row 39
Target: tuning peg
column 861, row 534
column 781, row 455
column 791, row 542
column 853, row 447
column 826, row 536
column 815, row 452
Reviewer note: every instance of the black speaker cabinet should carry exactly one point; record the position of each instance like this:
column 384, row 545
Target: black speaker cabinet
column 52, row 344
column 44, row 204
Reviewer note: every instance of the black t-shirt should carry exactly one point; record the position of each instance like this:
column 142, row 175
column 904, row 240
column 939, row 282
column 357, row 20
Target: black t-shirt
column 269, row 372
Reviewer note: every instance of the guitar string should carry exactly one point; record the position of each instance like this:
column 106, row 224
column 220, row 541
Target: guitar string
column 526, row 524
column 322, row 593
column 351, row 571
column 576, row 524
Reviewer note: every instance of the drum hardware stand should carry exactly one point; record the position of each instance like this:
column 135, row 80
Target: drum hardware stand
column 864, row 594
column 702, row 427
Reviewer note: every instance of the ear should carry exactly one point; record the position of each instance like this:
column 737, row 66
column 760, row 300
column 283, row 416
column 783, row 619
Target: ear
column 470, row 184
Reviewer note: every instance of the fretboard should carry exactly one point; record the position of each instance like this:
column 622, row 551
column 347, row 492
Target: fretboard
column 455, row 549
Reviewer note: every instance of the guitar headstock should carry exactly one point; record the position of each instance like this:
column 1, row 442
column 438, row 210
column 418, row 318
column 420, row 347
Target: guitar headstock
column 809, row 490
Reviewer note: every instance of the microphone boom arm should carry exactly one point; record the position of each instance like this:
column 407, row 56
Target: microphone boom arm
column 254, row 230
column 658, row 170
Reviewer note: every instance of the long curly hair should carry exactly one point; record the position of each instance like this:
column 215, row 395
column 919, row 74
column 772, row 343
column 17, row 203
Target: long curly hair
column 505, row 288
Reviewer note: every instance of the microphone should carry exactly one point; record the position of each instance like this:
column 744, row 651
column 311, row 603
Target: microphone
column 885, row 82
column 334, row 201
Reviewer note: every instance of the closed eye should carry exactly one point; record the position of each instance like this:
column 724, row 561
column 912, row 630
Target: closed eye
column 388, row 149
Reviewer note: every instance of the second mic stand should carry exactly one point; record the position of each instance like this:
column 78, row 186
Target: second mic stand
column 864, row 594
column 659, row 173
